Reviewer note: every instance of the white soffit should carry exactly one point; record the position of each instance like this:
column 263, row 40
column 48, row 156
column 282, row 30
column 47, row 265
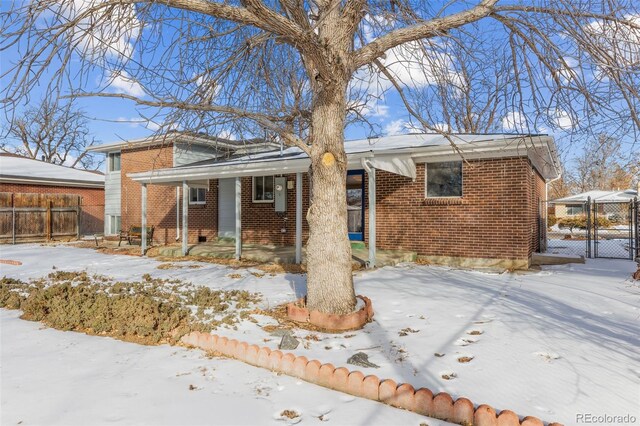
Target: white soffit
column 399, row 164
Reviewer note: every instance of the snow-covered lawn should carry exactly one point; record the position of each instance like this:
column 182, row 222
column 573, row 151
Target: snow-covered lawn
column 550, row 344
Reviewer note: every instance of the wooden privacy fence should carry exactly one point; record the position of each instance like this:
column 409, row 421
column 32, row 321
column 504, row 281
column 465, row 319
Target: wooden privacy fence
column 38, row 217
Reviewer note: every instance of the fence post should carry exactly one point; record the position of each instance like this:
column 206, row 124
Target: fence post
column 636, row 219
column 48, row 219
column 13, row 218
column 78, row 218
column 588, row 208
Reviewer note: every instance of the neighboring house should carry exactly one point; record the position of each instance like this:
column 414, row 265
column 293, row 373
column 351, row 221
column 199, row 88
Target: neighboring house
column 20, row 175
column 574, row 205
column 483, row 211
column 174, row 149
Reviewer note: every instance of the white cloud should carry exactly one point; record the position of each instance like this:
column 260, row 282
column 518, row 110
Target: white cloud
column 416, row 66
column 563, row 120
column 207, row 89
column 515, row 121
column 227, row 134
column 372, row 107
column 396, row 127
column 140, row 122
column 620, row 39
column 123, row 83
column 105, row 33
column 413, row 66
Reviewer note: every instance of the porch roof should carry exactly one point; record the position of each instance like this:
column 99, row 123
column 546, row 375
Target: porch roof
column 396, row 154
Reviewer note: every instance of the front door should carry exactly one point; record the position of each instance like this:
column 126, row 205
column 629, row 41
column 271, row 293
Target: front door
column 355, row 204
column 227, row 207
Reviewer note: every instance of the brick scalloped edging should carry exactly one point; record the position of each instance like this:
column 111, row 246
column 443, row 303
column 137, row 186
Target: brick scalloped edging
column 421, row 401
column 10, row 262
column 331, row 322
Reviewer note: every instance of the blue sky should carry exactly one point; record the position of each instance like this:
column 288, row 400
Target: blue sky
column 116, row 119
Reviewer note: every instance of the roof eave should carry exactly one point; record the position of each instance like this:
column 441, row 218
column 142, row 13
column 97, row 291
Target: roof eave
column 421, row 154
column 50, row 182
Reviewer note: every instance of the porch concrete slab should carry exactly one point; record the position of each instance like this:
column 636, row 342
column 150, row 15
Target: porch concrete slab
column 225, row 249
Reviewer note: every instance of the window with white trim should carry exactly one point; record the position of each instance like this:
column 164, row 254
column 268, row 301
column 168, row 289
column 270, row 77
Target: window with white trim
column 114, row 161
column 443, row 179
column 197, row 195
column 113, row 225
column 575, row 209
column 263, row 189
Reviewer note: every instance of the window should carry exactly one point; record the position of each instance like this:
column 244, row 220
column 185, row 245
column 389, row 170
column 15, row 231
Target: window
column 113, row 225
column 263, row 189
column 574, row 209
column 114, row 161
column 197, row 195
column 444, row 179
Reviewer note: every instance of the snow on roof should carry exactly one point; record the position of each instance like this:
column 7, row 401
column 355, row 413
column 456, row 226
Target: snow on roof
column 599, row 196
column 181, row 137
column 408, row 148
column 26, row 170
column 395, row 143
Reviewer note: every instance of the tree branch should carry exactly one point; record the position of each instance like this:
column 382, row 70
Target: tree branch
column 433, row 28
column 264, row 120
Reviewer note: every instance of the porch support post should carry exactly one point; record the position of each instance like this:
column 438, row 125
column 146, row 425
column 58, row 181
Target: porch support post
column 371, row 173
column 185, row 217
column 238, row 218
column 298, row 218
column 177, row 213
column 143, row 219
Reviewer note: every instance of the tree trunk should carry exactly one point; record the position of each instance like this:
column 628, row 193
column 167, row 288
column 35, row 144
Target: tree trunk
column 329, row 278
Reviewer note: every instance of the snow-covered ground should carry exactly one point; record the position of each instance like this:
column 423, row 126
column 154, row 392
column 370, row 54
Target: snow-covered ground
column 551, row 344
column 613, row 248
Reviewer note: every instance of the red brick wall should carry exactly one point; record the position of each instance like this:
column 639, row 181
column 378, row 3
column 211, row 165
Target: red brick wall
column 497, row 217
column 161, row 200
column 260, row 222
column 203, row 218
column 493, row 219
column 92, row 202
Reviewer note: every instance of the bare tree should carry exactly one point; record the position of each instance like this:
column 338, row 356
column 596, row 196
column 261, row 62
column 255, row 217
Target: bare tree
column 53, row 133
column 602, row 165
column 297, row 68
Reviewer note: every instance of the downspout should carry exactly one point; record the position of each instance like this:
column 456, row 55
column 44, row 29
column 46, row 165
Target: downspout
column 372, row 211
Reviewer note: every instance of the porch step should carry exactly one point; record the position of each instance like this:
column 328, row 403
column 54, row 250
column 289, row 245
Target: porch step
column 555, row 259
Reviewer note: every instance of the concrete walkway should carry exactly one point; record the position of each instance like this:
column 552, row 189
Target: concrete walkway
column 225, row 249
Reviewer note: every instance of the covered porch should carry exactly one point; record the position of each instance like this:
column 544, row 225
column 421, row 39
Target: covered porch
column 270, row 164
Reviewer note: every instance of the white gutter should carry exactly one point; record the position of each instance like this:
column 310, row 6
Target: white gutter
column 51, row 182
column 162, row 140
column 277, row 165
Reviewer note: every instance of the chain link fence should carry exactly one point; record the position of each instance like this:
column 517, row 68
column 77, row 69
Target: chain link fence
column 594, row 229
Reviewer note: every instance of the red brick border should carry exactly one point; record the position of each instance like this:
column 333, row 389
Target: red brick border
column 356, row 320
column 10, row 262
column 421, row 401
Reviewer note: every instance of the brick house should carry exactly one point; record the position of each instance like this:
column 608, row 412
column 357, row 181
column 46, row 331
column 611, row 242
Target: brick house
column 20, row 175
column 607, row 201
column 174, row 149
column 413, row 192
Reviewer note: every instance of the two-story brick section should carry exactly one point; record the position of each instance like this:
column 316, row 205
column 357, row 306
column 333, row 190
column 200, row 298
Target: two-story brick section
column 479, row 203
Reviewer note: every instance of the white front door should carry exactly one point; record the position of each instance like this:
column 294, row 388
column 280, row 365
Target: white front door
column 227, row 207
